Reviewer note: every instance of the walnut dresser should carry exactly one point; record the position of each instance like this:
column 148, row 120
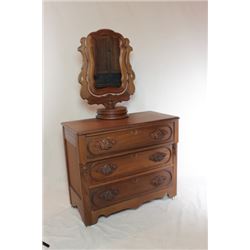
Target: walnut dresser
column 114, row 165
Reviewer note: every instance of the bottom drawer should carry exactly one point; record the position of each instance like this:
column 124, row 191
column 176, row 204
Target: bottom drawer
column 113, row 193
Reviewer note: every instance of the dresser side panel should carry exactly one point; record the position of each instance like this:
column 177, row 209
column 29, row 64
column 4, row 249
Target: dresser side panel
column 82, row 149
column 73, row 168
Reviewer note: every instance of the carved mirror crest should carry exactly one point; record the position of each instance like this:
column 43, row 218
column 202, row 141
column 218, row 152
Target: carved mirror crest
column 106, row 76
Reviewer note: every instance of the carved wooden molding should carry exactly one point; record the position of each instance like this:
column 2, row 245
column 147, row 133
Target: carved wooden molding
column 158, row 134
column 158, row 180
column 109, row 195
column 105, row 143
column 158, row 156
column 107, row 169
column 161, row 133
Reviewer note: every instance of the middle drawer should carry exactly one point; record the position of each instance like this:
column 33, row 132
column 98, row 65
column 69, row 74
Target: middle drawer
column 129, row 164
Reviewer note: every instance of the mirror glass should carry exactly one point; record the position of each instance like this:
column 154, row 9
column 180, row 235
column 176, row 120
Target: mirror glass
column 107, row 67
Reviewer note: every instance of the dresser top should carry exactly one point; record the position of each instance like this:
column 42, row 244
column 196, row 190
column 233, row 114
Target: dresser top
column 91, row 125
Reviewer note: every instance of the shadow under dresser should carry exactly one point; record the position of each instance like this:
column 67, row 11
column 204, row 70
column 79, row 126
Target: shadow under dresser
column 114, row 165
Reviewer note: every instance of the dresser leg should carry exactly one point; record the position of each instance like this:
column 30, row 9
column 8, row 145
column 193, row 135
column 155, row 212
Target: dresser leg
column 73, row 198
column 89, row 220
column 171, row 194
column 94, row 220
column 73, row 204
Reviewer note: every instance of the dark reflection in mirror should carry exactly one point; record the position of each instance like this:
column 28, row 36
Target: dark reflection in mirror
column 107, row 66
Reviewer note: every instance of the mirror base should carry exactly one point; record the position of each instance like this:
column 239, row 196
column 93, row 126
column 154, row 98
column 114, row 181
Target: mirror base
column 112, row 114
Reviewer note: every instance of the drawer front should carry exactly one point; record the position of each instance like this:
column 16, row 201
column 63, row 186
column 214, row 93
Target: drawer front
column 129, row 139
column 126, row 165
column 130, row 188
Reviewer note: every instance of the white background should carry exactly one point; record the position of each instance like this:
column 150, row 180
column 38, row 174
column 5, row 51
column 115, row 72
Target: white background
column 227, row 104
column 169, row 59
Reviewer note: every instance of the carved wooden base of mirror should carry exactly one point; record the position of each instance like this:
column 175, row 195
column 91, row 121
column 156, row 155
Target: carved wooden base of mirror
column 112, row 114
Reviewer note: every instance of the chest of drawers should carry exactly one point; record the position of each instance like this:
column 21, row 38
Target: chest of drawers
column 114, row 165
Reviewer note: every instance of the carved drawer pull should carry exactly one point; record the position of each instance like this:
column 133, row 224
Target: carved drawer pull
column 158, row 180
column 105, row 144
column 158, row 156
column 159, row 134
column 107, row 169
column 109, row 195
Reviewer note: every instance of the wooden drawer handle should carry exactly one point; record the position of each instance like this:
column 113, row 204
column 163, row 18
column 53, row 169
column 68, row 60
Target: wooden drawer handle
column 107, row 169
column 158, row 180
column 158, row 134
column 158, row 156
column 105, row 144
column 109, row 195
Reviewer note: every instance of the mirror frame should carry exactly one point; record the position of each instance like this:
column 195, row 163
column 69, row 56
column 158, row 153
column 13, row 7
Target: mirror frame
column 108, row 96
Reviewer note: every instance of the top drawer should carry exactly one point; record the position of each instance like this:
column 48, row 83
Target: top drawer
column 122, row 140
